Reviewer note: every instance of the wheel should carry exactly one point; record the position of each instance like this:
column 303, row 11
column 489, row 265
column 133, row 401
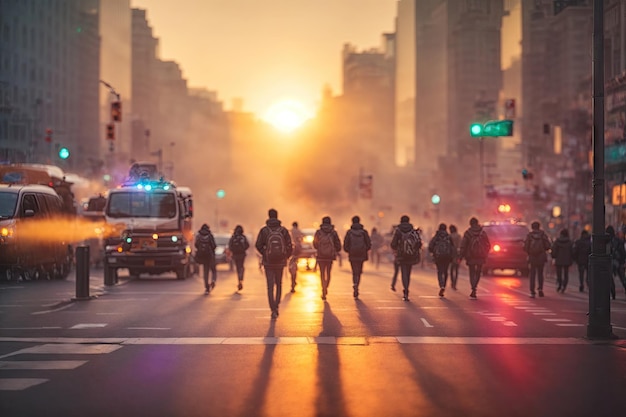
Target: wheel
column 134, row 274
column 181, row 272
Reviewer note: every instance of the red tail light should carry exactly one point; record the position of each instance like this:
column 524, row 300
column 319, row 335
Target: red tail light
column 496, row 248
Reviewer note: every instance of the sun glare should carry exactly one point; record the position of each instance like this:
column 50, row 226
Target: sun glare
column 287, row 115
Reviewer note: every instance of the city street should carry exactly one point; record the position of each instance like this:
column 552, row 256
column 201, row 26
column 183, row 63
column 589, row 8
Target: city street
column 159, row 347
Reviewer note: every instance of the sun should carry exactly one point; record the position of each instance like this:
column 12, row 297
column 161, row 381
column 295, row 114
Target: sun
column 287, row 115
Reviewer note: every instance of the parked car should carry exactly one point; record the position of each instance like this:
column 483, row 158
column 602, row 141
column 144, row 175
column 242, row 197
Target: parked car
column 507, row 247
column 222, row 254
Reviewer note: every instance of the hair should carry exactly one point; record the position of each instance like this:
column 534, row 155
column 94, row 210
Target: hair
column 564, row 233
column 442, row 226
column 326, row 220
column 294, row 224
column 473, row 221
column 404, row 219
column 239, row 229
column 204, row 226
column 272, row 213
column 535, row 225
column 584, row 233
column 356, row 219
column 452, row 228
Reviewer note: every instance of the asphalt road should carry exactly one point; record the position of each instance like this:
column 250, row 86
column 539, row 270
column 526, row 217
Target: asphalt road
column 160, row 347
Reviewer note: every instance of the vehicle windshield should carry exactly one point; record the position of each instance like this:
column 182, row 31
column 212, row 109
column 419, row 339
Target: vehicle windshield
column 8, row 201
column 142, row 204
column 511, row 232
column 222, row 240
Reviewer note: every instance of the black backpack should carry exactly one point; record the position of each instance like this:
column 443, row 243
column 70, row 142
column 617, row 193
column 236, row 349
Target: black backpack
column 326, row 246
column 478, row 246
column 443, row 249
column 276, row 247
column 409, row 245
column 238, row 244
column 357, row 243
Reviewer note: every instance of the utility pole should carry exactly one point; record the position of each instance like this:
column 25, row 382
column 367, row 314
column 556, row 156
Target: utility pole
column 599, row 324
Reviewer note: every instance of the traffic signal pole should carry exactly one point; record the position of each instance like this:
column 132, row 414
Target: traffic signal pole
column 599, row 324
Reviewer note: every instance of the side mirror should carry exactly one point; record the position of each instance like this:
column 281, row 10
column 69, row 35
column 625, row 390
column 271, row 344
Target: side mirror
column 29, row 213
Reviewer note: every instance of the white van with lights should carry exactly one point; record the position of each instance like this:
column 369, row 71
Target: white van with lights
column 147, row 221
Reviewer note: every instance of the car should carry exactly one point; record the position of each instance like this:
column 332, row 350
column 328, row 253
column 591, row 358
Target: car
column 222, row 254
column 507, row 247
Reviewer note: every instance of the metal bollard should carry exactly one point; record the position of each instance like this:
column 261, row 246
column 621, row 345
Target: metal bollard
column 82, row 273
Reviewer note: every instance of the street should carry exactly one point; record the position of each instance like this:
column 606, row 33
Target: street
column 158, row 346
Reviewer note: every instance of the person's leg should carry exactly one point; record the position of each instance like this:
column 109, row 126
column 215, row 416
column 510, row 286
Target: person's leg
column 324, row 277
column 440, row 274
column 270, row 277
column 396, row 270
column 532, row 278
column 581, row 277
column 205, row 276
column 540, row 279
column 240, row 268
column 454, row 273
column 565, row 277
column 473, row 275
column 357, row 278
column 213, row 266
column 405, row 270
column 559, row 277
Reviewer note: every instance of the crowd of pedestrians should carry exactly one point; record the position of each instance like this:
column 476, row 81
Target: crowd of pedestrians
column 279, row 247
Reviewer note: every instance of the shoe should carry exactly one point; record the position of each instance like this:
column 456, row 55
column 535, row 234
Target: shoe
column 441, row 291
column 540, row 293
column 324, row 297
column 293, row 289
column 274, row 315
column 406, row 296
column 473, row 295
column 532, row 295
column 393, row 288
column 558, row 289
column 454, row 287
column 239, row 286
column 206, row 292
column 355, row 293
column 212, row 284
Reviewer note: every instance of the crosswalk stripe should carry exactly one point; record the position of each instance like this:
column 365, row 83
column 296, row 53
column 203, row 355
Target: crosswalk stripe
column 18, row 384
column 39, row 365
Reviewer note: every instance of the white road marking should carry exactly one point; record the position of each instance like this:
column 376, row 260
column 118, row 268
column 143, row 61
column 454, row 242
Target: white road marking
column 18, row 384
column 89, row 326
column 570, row 324
column 39, row 365
column 426, row 323
column 53, row 310
column 148, row 328
column 544, row 314
column 30, row 328
column 510, row 323
column 555, row 320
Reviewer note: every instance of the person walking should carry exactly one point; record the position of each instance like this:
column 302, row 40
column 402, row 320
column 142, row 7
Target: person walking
column 474, row 249
column 275, row 246
column 326, row 242
column 205, row 255
column 563, row 254
column 443, row 251
column 454, row 264
column 407, row 244
column 536, row 244
column 378, row 241
column 292, row 267
column 615, row 248
column 356, row 244
column 238, row 246
column 582, row 250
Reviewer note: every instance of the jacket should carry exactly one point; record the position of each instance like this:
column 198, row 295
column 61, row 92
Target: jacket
column 582, row 250
column 261, row 242
column 563, row 251
column 456, row 241
column 395, row 242
column 441, row 235
column 238, row 232
column 537, row 258
column 205, row 236
column 324, row 230
column 470, row 234
column 347, row 243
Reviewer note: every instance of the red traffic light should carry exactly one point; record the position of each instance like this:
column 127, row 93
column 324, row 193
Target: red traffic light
column 116, row 111
column 48, row 137
column 111, row 131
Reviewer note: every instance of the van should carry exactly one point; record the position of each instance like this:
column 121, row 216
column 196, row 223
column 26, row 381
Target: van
column 29, row 248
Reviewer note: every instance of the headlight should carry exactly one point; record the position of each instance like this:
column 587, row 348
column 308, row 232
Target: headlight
column 7, row 231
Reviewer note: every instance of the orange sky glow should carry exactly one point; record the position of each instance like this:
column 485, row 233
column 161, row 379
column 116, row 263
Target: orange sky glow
column 265, row 51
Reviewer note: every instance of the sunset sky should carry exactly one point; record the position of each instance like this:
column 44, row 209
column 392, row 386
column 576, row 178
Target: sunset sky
column 265, row 51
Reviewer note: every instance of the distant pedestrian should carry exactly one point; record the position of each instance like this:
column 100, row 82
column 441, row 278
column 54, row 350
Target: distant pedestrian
column 582, row 250
column 407, row 244
column 326, row 242
column 443, row 251
column 536, row 245
column 474, row 249
column 274, row 244
column 205, row 256
column 454, row 264
column 615, row 248
column 296, row 238
column 356, row 244
column 563, row 254
column 238, row 246
column 378, row 241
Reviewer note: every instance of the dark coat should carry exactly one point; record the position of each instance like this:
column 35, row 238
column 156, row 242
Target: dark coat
column 441, row 235
column 563, row 251
column 238, row 232
column 204, row 235
column 395, row 242
column 469, row 235
column 261, row 241
column 347, row 242
column 582, row 250
column 537, row 258
column 323, row 230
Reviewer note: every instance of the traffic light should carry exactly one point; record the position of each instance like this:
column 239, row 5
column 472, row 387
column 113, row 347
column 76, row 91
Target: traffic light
column 116, row 111
column 64, row 153
column 48, row 137
column 110, row 131
column 220, row 193
column 493, row 128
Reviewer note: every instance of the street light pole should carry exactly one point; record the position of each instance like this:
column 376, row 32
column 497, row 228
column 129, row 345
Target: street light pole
column 599, row 324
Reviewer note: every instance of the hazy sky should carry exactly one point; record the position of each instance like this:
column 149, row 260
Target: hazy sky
column 264, row 50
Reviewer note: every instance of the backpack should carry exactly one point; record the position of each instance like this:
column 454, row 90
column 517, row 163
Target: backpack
column 275, row 248
column 443, row 248
column 478, row 247
column 410, row 244
column 536, row 246
column 326, row 246
column 238, row 244
column 357, row 243
column 204, row 249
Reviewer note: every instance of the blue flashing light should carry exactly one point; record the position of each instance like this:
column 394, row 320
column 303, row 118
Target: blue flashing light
column 174, row 239
column 140, row 186
column 129, row 240
column 148, row 187
column 166, row 187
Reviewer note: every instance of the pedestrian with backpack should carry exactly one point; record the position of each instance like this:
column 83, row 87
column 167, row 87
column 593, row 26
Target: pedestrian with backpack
column 615, row 248
column 274, row 244
column 443, row 251
column 454, row 265
column 562, row 252
column 238, row 246
column 326, row 242
column 536, row 245
column 356, row 244
column 407, row 244
column 205, row 255
column 292, row 267
column 474, row 249
column 582, row 250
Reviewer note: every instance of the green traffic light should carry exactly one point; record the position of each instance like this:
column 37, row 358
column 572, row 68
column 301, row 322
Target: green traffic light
column 476, row 129
column 220, row 193
column 64, row 153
